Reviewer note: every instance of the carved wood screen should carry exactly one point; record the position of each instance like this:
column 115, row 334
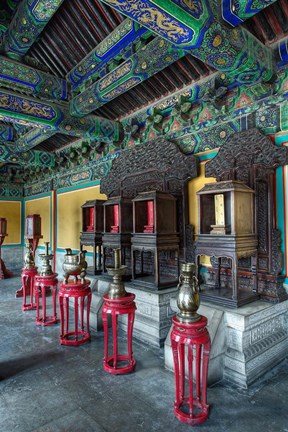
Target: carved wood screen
column 158, row 165
column 251, row 157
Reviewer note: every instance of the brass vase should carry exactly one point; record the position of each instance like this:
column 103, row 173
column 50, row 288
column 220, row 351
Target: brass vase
column 188, row 300
column 29, row 261
column 116, row 287
column 46, row 269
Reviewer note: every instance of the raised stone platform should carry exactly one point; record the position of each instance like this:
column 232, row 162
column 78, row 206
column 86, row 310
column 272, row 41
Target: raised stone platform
column 245, row 343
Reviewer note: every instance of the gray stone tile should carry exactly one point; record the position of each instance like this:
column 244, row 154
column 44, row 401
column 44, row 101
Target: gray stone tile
column 47, row 387
column 76, row 421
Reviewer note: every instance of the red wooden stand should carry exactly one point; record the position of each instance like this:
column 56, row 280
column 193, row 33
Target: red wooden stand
column 28, row 278
column 191, row 342
column 41, row 287
column 77, row 291
column 118, row 364
column 4, row 272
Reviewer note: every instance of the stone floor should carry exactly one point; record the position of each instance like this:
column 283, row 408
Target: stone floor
column 46, row 387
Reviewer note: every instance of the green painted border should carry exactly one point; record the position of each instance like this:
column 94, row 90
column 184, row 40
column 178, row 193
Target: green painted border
column 76, row 187
column 280, row 213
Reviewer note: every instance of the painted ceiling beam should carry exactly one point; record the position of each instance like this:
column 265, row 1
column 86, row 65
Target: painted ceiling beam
column 28, row 22
column 240, row 58
column 28, row 80
column 31, row 139
column 234, row 12
column 6, row 132
column 152, row 58
column 30, row 157
column 123, row 37
column 219, row 46
column 280, row 50
column 21, row 109
column 180, row 22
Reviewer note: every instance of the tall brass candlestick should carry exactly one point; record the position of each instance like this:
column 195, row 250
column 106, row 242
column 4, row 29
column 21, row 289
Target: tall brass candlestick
column 116, row 287
column 117, row 258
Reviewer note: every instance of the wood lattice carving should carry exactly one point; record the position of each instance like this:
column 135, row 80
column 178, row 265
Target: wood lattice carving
column 251, row 157
column 158, row 165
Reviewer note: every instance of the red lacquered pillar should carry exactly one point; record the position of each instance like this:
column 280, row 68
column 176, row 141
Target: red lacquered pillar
column 41, row 286
column 117, row 364
column 191, row 347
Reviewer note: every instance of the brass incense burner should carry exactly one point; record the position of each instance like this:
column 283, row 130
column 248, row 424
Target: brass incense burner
column 46, row 269
column 74, row 265
column 116, row 287
column 29, row 261
column 188, row 300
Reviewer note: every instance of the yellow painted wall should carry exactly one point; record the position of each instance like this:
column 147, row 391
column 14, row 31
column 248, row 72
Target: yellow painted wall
column 194, row 186
column 11, row 210
column 41, row 206
column 69, row 215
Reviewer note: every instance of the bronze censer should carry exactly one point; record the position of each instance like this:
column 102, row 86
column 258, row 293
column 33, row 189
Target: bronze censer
column 74, row 265
column 188, row 300
column 116, row 287
column 46, row 269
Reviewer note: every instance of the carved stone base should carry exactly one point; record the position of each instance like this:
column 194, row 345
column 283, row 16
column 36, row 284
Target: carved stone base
column 245, row 343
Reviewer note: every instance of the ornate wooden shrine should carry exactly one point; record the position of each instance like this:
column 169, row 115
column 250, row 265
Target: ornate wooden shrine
column 156, row 172
column 33, row 230
column 4, row 273
column 92, row 229
column 117, row 231
column 155, row 241
column 227, row 229
column 248, row 161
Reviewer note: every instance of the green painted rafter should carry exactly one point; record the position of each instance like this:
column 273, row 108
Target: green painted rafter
column 28, row 158
column 28, row 80
column 28, row 22
column 123, row 39
column 238, row 56
column 234, row 12
column 31, row 139
column 152, row 58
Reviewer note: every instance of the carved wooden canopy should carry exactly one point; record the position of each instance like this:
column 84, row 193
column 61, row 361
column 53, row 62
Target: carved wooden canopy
column 158, row 165
column 243, row 150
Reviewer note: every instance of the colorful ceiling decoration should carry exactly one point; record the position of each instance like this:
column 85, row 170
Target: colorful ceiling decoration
column 29, row 157
column 56, row 118
column 152, row 58
column 28, row 80
column 196, row 68
column 120, row 43
column 27, row 23
column 31, row 139
column 180, row 22
column 234, row 12
column 6, row 132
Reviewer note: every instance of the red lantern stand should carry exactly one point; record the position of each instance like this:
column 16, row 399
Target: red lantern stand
column 115, row 307
column 79, row 291
column 28, row 278
column 43, row 285
column 4, row 273
column 192, row 338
